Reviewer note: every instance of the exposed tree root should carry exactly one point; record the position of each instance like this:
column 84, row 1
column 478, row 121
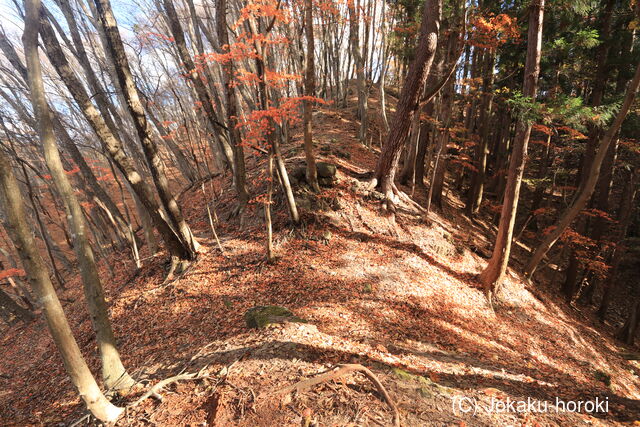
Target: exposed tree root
column 393, row 195
column 177, row 266
column 341, row 371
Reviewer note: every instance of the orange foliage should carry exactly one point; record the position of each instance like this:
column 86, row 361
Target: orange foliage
column 11, row 272
column 542, row 129
column 572, row 133
column 494, row 30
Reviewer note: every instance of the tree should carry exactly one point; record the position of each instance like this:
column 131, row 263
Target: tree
column 309, row 91
column 387, row 165
column 232, row 108
column 178, row 249
column 143, row 128
column 493, row 273
column 22, row 237
column 113, row 372
column 586, row 190
column 359, row 63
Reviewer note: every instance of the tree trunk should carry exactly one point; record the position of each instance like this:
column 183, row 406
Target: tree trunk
column 625, row 216
column 628, row 331
column 22, row 237
column 482, row 149
column 309, row 91
column 69, row 145
column 240, row 180
column 192, row 74
column 408, row 102
column 130, row 92
column 113, row 372
column 175, row 246
column 354, row 36
column 586, row 190
column 497, row 265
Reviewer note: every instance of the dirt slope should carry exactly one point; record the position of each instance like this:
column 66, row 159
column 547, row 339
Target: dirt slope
column 399, row 298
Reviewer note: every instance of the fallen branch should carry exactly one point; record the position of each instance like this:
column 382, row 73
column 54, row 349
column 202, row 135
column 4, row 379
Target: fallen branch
column 155, row 390
column 341, row 371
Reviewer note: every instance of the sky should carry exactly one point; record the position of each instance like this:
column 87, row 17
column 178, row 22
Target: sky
column 123, row 9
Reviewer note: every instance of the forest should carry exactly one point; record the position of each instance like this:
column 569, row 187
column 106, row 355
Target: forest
column 319, row 212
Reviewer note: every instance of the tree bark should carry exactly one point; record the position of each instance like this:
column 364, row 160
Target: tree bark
column 194, row 76
column 586, row 190
column 408, row 102
column 69, row 145
column 22, row 237
column 134, row 104
column 497, row 265
column 232, row 112
column 354, row 38
column 625, row 216
column 482, row 149
column 309, row 91
column 113, row 372
column 176, row 247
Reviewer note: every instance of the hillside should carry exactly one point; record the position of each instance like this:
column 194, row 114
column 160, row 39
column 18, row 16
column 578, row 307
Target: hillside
column 397, row 296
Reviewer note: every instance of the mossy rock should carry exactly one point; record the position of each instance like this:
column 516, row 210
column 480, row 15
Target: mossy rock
column 603, row 377
column 343, row 154
column 262, row 316
column 304, row 203
column 326, row 170
column 427, row 387
column 375, row 195
column 298, row 173
column 326, row 182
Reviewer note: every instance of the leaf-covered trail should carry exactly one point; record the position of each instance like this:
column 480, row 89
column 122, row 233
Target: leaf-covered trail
column 399, row 299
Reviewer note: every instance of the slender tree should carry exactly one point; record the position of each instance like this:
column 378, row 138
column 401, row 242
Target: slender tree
column 143, row 128
column 359, row 63
column 309, row 91
column 22, row 237
column 177, row 248
column 586, row 190
column 408, row 102
column 232, row 109
column 113, row 372
column 497, row 265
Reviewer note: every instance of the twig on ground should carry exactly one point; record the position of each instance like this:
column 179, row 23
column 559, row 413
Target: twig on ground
column 154, row 391
column 81, row 420
column 343, row 370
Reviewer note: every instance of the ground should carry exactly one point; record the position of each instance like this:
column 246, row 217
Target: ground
column 398, row 297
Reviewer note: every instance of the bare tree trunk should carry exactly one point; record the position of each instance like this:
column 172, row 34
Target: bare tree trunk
column 177, row 248
column 628, row 331
column 22, row 237
column 267, row 209
column 482, row 149
column 240, row 180
column 194, row 77
column 354, row 36
column 383, row 68
column 309, row 91
column 497, row 265
column 69, row 144
column 586, row 190
column 113, row 372
column 125, row 78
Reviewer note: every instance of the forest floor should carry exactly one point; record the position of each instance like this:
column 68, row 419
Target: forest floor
column 397, row 297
